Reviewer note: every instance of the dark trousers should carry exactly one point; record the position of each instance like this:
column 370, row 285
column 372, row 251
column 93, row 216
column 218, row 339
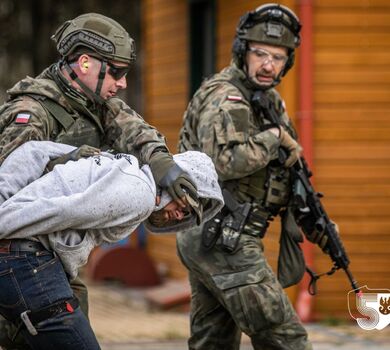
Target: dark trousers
column 33, row 279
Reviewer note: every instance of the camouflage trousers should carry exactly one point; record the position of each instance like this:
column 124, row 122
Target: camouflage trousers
column 8, row 329
column 237, row 292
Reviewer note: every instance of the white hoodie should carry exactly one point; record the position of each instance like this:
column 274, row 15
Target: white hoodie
column 80, row 205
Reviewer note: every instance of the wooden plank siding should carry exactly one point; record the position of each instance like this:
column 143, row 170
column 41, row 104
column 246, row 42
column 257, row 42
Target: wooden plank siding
column 165, row 74
column 351, row 42
column 352, row 140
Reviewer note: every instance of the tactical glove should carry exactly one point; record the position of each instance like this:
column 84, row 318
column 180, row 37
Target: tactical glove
column 168, row 175
column 291, row 146
column 83, row 151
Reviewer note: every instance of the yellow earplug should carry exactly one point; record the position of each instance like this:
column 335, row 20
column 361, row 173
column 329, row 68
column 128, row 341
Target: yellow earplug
column 85, row 65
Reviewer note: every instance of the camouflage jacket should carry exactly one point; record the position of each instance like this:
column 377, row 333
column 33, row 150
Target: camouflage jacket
column 220, row 121
column 23, row 117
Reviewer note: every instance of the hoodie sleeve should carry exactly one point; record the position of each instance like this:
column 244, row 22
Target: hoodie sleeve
column 26, row 164
column 93, row 193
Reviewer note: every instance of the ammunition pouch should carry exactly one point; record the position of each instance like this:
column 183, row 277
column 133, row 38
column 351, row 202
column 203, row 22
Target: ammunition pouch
column 277, row 189
column 234, row 219
column 212, row 229
column 258, row 221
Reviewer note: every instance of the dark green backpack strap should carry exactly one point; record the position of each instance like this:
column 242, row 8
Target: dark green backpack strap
column 59, row 113
column 240, row 86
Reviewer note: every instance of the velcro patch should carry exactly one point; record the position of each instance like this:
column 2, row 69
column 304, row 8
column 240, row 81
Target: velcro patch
column 234, row 98
column 22, row 118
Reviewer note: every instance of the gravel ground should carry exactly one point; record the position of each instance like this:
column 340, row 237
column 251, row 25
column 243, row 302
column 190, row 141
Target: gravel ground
column 122, row 319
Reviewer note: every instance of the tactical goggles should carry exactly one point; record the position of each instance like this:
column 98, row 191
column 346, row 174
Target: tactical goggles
column 117, row 72
column 264, row 56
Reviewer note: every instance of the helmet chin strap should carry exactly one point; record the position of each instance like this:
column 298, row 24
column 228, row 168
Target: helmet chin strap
column 93, row 96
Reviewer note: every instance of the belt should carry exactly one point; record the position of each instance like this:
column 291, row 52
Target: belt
column 23, row 245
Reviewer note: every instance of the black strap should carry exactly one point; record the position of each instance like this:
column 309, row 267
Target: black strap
column 240, row 86
column 53, row 310
column 314, row 277
column 102, row 75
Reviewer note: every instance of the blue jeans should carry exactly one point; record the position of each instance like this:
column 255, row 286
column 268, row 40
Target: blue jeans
column 34, row 280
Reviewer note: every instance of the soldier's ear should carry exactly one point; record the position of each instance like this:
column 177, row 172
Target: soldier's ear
column 84, row 63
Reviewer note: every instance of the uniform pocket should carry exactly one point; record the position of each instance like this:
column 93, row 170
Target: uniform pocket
column 254, row 298
column 233, row 128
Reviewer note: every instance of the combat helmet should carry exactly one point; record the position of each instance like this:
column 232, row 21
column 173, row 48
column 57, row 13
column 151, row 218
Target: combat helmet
column 104, row 36
column 271, row 24
column 98, row 36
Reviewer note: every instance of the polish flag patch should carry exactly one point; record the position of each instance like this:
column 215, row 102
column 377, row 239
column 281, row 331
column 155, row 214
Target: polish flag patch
column 22, row 118
column 234, row 98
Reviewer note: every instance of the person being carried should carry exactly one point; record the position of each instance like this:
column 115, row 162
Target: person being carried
column 50, row 222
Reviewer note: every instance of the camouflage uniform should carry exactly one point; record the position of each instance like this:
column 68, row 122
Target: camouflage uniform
column 115, row 125
column 234, row 292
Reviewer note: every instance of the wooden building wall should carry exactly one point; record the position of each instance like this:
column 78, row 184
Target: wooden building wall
column 352, row 139
column 165, row 73
column 351, row 123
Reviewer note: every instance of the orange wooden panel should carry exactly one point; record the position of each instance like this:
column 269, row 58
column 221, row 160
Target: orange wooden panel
column 350, row 5
column 352, row 58
column 352, row 114
column 377, row 41
column 352, row 133
column 359, row 18
column 369, row 75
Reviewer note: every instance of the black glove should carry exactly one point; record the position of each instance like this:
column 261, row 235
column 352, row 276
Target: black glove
column 83, row 151
column 168, row 175
column 308, row 227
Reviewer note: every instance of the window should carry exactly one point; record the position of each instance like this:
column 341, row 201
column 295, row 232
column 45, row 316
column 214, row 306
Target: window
column 202, row 41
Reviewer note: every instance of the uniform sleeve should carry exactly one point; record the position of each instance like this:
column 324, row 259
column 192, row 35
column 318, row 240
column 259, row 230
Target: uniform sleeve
column 25, row 120
column 127, row 132
column 227, row 134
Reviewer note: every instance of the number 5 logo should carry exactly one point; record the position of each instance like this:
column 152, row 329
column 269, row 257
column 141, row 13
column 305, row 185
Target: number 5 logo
column 375, row 307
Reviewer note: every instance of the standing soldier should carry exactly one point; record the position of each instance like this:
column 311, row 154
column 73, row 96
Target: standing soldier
column 74, row 102
column 231, row 119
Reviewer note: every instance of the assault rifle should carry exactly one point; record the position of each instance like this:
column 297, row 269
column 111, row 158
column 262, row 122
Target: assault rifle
column 312, row 217
column 310, row 213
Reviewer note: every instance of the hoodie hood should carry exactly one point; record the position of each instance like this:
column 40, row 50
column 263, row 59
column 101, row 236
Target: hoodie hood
column 202, row 172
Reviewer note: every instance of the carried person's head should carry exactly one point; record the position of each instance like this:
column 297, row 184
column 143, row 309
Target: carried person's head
column 265, row 43
column 96, row 52
column 169, row 216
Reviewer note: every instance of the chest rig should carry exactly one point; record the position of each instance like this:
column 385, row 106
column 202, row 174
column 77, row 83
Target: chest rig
column 74, row 129
column 268, row 188
column 252, row 201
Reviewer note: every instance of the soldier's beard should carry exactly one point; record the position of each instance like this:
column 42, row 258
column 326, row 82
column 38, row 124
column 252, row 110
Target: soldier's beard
column 263, row 79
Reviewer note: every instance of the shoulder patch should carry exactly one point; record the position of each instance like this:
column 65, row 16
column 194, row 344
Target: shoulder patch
column 234, row 98
column 22, row 118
